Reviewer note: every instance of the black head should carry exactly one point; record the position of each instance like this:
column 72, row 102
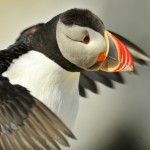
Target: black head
column 83, row 18
column 72, row 39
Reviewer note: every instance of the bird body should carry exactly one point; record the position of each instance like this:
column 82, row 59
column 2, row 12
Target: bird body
column 47, row 68
column 51, row 84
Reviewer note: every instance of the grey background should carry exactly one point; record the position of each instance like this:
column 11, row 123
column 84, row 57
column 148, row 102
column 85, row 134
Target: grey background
column 100, row 115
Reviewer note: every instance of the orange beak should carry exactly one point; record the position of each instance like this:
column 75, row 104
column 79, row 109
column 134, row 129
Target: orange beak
column 116, row 57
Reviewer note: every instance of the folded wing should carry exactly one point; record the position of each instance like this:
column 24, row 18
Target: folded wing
column 26, row 123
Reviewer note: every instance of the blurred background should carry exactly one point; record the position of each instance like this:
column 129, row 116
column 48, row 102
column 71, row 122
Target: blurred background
column 116, row 119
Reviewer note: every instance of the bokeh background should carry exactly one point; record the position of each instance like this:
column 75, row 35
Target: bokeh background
column 115, row 115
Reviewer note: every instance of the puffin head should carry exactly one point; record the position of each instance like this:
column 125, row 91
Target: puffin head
column 77, row 40
column 83, row 40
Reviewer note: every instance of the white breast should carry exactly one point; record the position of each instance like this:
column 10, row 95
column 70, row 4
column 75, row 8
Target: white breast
column 47, row 81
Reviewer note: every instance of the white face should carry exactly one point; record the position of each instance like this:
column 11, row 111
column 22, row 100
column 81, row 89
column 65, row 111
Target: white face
column 80, row 45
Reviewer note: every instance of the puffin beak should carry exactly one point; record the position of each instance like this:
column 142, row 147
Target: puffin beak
column 116, row 57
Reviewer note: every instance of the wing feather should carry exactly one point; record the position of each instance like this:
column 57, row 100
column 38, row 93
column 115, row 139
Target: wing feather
column 26, row 123
column 87, row 83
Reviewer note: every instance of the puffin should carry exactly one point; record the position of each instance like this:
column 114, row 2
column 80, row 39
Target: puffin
column 47, row 69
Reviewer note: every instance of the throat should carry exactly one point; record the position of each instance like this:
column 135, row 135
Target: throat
column 48, row 82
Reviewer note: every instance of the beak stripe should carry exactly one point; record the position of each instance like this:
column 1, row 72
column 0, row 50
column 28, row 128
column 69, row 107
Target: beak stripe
column 118, row 57
column 124, row 56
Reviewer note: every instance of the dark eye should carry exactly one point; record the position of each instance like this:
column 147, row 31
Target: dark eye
column 86, row 39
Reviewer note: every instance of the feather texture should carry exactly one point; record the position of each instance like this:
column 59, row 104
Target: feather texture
column 26, row 122
column 87, row 79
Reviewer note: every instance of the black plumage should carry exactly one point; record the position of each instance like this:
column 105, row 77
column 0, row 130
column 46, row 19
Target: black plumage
column 83, row 18
column 8, row 55
column 105, row 78
column 26, row 122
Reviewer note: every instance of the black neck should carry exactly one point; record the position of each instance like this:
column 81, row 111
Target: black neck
column 44, row 41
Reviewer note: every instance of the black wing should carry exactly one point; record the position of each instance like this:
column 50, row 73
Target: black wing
column 87, row 79
column 29, row 31
column 25, row 123
column 8, row 55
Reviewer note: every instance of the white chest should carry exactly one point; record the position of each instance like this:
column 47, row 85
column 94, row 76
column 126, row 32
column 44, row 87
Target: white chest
column 47, row 81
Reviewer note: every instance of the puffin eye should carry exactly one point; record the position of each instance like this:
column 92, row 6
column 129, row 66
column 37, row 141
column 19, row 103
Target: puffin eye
column 86, row 39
